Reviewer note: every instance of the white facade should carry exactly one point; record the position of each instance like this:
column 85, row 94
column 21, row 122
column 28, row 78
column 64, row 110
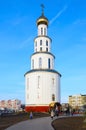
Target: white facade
column 41, row 86
column 41, row 61
column 42, row 81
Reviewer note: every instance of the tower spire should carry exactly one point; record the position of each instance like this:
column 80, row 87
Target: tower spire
column 42, row 6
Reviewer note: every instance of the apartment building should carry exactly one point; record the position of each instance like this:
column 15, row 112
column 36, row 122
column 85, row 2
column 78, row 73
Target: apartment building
column 77, row 101
column 10, row 104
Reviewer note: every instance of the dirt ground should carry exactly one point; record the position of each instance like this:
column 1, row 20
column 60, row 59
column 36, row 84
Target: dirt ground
column 69, row 123
column 6, row 121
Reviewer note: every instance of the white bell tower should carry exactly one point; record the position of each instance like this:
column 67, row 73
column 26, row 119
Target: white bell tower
column 42, row 82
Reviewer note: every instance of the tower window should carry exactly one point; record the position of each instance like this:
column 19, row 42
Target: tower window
column 32, row 64
column 52, row 63
column 40, row 62
column 41, row 31
column 40, row 48
column 35, row 49
column 40, row 42
column 46, row 42
column 47, row 49
column 53, row 80
column 49, row 63
column 44, row 31
column 36, row 44
column 38, row 81
column 53, row 97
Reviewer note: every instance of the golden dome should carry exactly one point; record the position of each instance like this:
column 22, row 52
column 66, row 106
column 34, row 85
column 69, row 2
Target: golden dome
column 42, row 20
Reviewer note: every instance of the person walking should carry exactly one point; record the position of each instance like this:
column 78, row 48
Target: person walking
column 52, row 114
column 31, row 115
column 56, row 111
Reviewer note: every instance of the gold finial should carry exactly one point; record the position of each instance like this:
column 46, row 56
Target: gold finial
column 42, row 6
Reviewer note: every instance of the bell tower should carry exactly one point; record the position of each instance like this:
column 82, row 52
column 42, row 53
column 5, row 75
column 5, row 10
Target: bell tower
column 42, row 82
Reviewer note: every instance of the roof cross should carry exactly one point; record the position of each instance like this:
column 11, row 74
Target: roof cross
column 42, row 6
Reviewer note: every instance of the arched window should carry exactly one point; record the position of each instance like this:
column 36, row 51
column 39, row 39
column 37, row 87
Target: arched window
column 32, row 64
column 40, row 62
column 40, row 48
column 35, row 49
column 46, row 42
column 49, row 63
column 41, row 31
column 44, row 31
column 38, row 82
column 53, row 80
column 52, row 63
column 53, row 97
column 46, row 49
column 36, row 44
column 40, row 42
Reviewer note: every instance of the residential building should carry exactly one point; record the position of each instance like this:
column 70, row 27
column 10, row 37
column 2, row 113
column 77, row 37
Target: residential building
column 77, row 101
column 10, row 104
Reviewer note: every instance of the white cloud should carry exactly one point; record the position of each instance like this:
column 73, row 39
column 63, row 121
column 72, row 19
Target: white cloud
column 58, row 14
column 80, row 21
column 26, row 42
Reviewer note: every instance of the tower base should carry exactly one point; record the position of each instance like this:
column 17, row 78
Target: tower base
column 37, row 108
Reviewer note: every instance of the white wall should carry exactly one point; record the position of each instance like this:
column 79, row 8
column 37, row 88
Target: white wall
column 41, row 84
column 45, row 58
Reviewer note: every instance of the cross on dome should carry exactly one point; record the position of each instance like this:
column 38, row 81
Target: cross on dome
column 42, row 6
column 42, row 19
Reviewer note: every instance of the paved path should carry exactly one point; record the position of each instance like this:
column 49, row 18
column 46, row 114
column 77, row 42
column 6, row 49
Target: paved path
column 43, row 123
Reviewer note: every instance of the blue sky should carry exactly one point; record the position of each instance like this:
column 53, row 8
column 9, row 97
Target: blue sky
column 67, row 28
